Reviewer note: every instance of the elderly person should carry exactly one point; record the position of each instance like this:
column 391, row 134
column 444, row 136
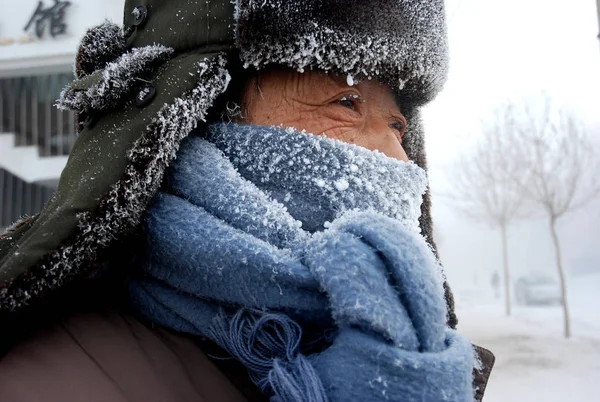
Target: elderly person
column 244, row 215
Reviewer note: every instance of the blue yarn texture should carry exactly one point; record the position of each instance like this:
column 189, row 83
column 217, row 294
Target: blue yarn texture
column 301, row 257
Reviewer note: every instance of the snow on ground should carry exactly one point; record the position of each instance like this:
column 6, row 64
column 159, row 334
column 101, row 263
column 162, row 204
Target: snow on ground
column 533, row 360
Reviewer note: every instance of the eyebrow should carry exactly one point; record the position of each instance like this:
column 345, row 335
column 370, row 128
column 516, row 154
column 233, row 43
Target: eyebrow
column 337, row 79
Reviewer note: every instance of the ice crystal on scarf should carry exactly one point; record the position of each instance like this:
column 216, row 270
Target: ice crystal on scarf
column 331, row 176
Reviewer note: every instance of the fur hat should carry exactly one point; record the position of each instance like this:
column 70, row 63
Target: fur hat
column 401, row 43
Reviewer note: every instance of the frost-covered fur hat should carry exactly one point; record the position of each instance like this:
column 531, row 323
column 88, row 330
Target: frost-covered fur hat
column 401, row 43
column 143, row 87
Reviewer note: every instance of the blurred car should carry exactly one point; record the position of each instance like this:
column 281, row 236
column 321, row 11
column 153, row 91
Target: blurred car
column 535, row 290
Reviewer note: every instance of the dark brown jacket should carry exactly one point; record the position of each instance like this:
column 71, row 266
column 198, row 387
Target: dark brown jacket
column 112, row 357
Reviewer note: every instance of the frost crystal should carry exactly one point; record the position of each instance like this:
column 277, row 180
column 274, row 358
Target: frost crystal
column 350, row 80
column 276, row 159
column 116, row 80
column 136, row 13
column 143, row 93
column 342, row 185
column 99, row 46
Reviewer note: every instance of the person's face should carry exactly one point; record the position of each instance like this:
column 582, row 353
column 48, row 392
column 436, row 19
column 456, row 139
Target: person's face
column 365, row 114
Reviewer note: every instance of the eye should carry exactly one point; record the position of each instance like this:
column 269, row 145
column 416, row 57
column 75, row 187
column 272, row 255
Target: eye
column 399, row 126
column 350, row 101
column 347, row 103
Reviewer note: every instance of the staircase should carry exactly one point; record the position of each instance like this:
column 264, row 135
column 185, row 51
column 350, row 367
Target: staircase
column 35, row 139
column 26, row 163
column 27, row 180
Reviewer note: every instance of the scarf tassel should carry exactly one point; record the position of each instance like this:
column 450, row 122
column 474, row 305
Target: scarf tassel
column 267, row 344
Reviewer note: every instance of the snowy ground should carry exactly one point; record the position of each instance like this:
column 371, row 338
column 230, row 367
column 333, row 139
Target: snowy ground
column 534, row 362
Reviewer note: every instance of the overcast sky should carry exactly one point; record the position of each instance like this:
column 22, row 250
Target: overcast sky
column 506, row 50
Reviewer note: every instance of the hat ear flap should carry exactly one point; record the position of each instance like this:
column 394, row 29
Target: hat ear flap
column 100, row 45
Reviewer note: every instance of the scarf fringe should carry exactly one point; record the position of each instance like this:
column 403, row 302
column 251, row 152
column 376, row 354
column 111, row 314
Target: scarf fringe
column 268, row 345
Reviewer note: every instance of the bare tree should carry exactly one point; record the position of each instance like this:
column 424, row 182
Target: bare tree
column 559, row 170
column 598, row 9
column 483, row 188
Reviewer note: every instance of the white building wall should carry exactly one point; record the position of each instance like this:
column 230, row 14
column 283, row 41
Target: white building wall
column 22, row 53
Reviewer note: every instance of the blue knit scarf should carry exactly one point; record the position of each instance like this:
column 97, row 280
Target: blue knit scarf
column 301, row 257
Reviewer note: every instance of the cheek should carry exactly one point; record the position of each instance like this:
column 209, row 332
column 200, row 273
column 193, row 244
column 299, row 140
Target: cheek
column 271, row 112
column 348, row 130
column 312, row 120
column 342, row 131
column 385, row 142
column 323, row 121
column 347, row 134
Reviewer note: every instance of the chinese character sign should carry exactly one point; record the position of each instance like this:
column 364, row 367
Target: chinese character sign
column 49, row 19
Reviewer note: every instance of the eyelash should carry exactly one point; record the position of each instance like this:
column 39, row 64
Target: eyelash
column 400, row 129
column 353, row 99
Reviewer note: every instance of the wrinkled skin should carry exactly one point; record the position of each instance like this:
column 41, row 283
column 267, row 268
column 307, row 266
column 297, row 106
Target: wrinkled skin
column 365, row 114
